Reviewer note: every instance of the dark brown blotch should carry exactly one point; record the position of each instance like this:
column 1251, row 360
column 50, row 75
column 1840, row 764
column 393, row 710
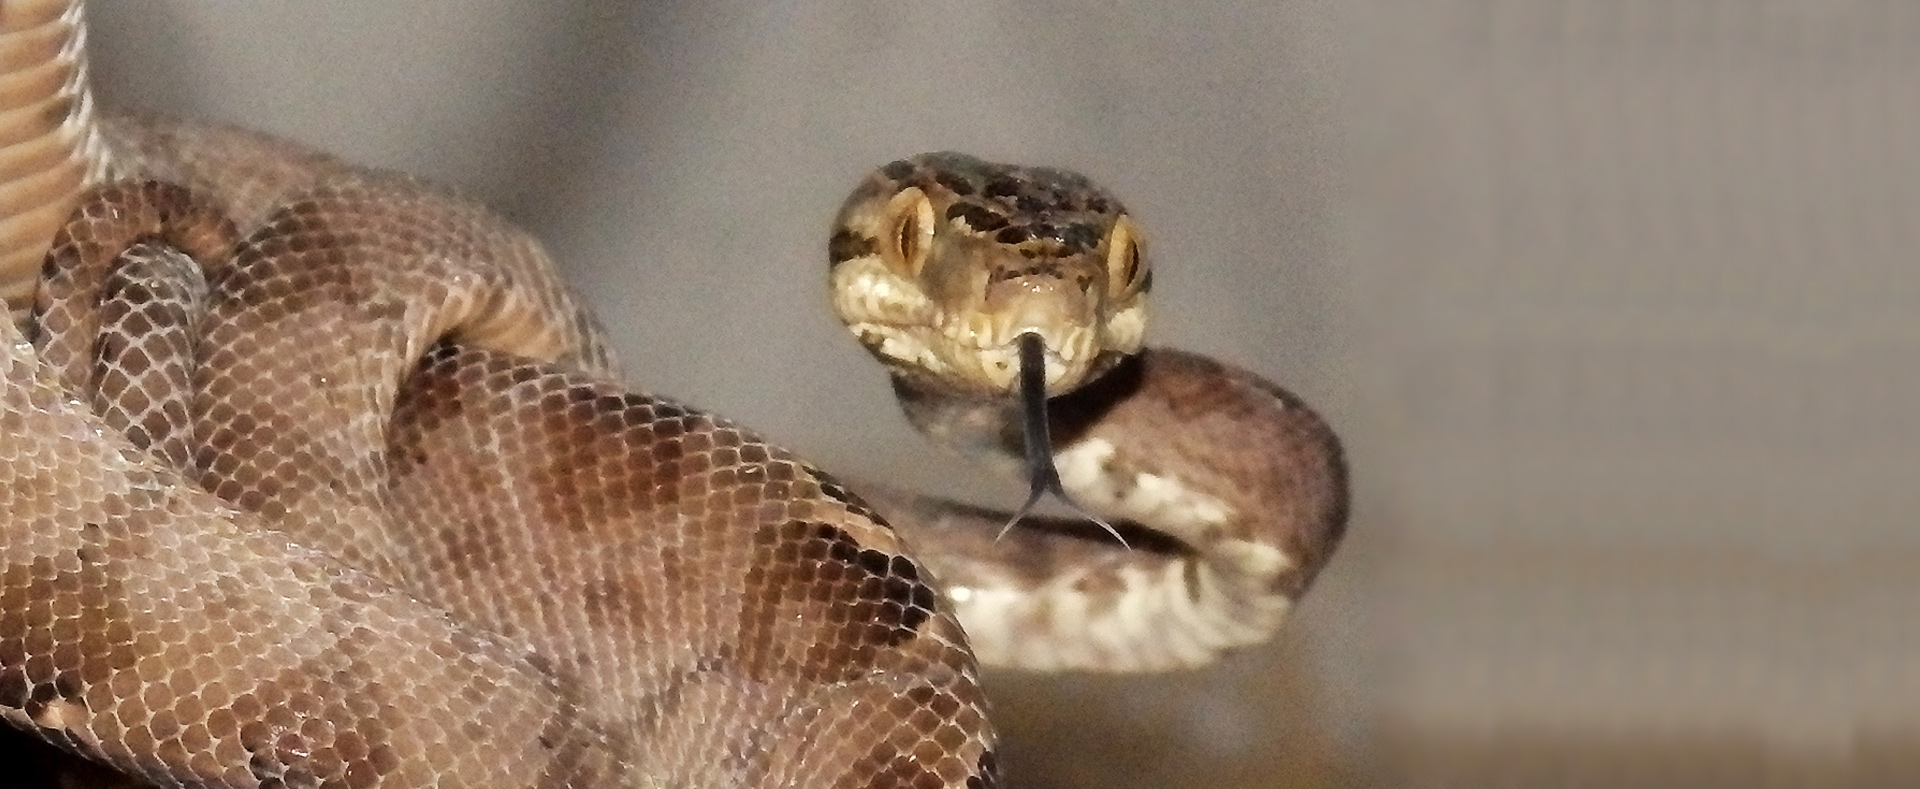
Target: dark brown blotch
column 832, row 489
column 83, row 609
column 954, row 182
column 890, row 577
column 856, row 602
column 900, row 583
column 986, row 771
column 981, row 218
column 1040, row 268
column 899, row 170
column 1079, row 237
column 430, row 398
column 847, row 245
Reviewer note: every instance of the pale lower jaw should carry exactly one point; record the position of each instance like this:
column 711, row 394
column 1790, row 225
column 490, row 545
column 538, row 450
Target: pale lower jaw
column 978, row 370
column 999, row 367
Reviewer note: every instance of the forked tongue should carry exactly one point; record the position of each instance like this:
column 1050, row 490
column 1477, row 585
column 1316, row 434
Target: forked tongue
column 1042, row 476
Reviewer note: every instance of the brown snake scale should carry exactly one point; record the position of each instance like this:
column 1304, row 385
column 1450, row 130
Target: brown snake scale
column 317, row 476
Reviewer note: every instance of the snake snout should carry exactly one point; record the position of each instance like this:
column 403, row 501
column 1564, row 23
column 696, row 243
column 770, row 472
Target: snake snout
column 1039, row 304
column 1062, row 314
column 1059, row 312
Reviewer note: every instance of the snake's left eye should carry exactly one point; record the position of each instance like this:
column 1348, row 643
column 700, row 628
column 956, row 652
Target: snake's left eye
column 1127, row 270
column 910, row 239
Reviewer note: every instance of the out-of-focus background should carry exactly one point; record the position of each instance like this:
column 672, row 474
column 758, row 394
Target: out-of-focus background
column 1615, row 303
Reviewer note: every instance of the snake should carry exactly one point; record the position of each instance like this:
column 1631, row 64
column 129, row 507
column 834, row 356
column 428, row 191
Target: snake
column 317, row 475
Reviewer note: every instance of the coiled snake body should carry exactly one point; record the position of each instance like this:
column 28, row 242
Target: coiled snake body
column 314, row 475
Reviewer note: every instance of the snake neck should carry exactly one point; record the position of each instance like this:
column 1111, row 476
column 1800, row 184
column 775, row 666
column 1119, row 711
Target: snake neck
column 50, row 142
column 988, row 428
column 984, row 428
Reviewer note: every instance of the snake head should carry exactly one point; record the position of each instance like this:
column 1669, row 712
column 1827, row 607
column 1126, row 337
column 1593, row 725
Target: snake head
column 941, row 261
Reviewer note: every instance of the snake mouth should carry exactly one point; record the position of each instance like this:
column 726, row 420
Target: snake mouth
column 1063, row 359
column 973, row 351
column 978, row 362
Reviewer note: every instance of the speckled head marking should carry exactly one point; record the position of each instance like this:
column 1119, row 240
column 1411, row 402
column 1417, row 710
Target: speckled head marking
column 940, row 261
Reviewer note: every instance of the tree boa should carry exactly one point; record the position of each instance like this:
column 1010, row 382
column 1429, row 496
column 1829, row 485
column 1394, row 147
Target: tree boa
column 316, row 475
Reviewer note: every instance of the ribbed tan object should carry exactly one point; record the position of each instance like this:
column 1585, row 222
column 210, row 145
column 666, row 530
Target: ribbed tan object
column 49, row 144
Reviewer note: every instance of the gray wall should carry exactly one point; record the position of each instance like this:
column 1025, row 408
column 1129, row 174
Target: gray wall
column 1613, row 302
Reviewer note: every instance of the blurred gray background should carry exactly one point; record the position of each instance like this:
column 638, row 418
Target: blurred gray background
column 1613, row 301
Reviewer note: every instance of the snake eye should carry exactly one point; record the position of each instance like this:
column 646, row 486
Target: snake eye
column 912, row 231
column 1126, row 263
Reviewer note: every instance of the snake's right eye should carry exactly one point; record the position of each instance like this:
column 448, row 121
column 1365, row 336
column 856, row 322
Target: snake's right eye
column 911, row 236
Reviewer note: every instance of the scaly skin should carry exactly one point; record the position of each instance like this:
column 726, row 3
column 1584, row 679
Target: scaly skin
column 940, row 261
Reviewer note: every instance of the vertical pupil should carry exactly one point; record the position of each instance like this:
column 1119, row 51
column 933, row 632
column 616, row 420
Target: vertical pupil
column 906, row 240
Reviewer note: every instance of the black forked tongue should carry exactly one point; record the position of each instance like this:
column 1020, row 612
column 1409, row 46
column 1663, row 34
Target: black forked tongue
column 1042, row 476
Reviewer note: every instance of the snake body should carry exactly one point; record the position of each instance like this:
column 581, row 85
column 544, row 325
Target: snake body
column 317, row 475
